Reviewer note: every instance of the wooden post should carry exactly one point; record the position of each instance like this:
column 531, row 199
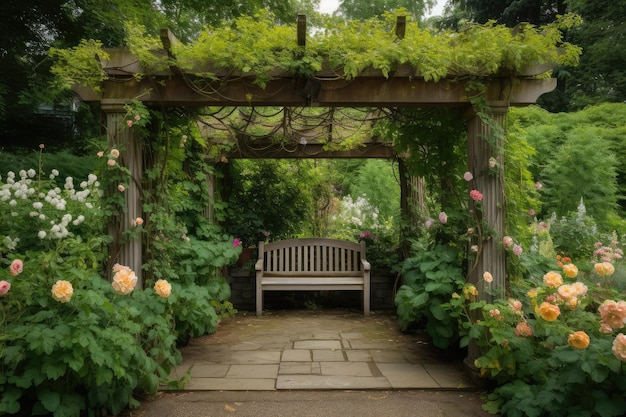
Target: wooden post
column 124, row 138
column 485, row 160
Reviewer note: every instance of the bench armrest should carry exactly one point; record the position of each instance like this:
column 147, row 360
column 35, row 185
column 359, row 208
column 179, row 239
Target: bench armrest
column 366, row 265
column 258, row 266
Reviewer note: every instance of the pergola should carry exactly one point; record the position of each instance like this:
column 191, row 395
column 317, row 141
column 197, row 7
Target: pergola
column 172, row 87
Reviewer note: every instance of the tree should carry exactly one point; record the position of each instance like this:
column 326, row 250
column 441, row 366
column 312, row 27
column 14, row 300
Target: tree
column 601, row 75
column 31, row 112
column 361, row 10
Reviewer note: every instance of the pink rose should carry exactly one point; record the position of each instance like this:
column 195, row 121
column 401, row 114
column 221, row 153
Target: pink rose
column 517, row 250
column 468, row 176
column 5, row 286
column 613, row 313
column 428, row 223
column 476, row 195
column 129, row 123
column 507, row 241
column 619, row 347
column 236, row 242
column 523, row 330
column 443, row 217
column 16, row 267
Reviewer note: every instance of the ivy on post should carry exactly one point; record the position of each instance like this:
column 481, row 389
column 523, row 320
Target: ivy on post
column 126, row 249
column 485, row 144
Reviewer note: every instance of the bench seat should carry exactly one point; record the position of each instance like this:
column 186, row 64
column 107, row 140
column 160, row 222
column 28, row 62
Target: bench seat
column 312, row 264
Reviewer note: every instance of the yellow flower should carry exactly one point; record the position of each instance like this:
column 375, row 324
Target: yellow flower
column 604, row 269
column 578, row 340
column 570, row 270
column 470, row 290
column 124, row 280
column 163, row 288
column 549, row 312
column 62, row 291
column 553, row 279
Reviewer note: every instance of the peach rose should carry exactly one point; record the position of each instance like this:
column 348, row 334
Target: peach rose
column 580, row 288
column 567, row 291
column 124, row 281
column 549, row 312
column 570, row 270
column 62, row 291
column 604, row 269
column 578, row 340
column 163, row 288
column 553, row 279
column 488, row 277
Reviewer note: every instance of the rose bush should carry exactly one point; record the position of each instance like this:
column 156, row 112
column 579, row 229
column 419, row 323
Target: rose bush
column 73, row 342
column 556, row 347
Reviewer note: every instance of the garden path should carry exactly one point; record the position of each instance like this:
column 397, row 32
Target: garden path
column 319, row 350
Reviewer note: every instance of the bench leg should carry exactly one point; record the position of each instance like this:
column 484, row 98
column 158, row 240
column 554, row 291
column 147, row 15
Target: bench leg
column 366, row 301
column 259, row 301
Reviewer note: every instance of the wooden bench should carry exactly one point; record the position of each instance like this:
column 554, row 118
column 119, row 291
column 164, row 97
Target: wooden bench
column 312, row 264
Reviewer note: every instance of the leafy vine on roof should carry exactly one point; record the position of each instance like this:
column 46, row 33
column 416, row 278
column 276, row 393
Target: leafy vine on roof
column 256, row 46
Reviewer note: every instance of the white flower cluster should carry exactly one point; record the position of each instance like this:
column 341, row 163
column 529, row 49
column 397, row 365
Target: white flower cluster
column 46, row 207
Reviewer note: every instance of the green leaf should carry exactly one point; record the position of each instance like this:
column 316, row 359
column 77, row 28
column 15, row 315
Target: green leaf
column 49, row 399
column 606, row 406
column 53, row 370
column 9, row 403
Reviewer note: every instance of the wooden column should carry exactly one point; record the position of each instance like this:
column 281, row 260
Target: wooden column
column 485, row 146
column 125, row 251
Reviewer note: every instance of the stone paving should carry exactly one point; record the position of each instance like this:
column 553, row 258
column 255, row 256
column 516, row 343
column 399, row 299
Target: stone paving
column 317, row 350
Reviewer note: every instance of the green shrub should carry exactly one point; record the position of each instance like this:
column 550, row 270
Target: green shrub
column 431, row 278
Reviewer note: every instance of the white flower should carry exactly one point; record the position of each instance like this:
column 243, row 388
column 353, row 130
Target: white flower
column 55, row 172
column 10, row 174
column 31, row 173
column 37, row 205
column 42, row 216
column 83, row 184
column 61, row 206
column 13, row 203
column 23, row 174
column 42, row 234
column 91, row 179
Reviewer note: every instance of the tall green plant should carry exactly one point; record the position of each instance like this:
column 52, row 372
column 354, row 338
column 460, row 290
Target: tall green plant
column 431, row 278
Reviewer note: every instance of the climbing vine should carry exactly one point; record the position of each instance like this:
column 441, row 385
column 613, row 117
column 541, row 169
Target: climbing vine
column 255, row 46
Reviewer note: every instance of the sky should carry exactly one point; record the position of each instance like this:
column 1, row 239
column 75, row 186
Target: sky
column 329, row 6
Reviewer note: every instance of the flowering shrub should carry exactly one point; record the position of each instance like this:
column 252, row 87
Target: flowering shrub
column 71, row 342
column 556, row 347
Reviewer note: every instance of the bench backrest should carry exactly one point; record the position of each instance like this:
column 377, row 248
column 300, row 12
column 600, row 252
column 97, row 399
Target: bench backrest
column 312, row 256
